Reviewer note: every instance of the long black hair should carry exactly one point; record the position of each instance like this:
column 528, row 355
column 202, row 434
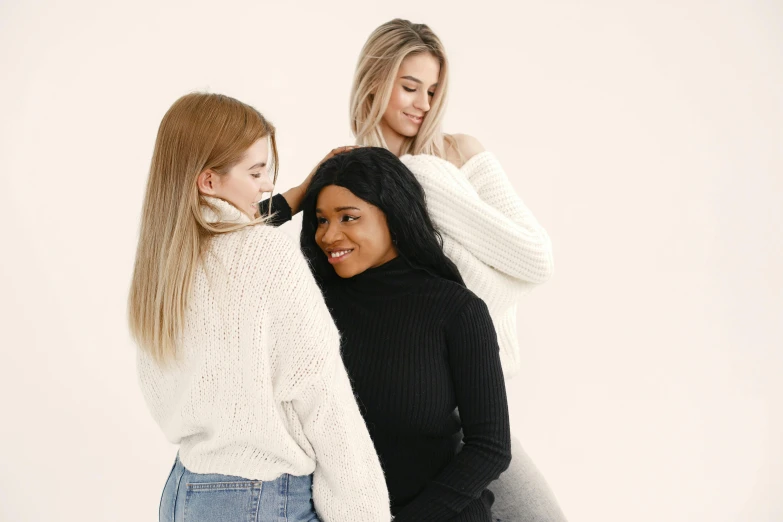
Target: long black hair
column 377, row 176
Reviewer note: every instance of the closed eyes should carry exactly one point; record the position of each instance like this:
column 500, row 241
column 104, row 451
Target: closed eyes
column 408, row 89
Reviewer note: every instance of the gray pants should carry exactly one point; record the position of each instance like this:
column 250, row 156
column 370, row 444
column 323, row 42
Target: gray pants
column 521, row 492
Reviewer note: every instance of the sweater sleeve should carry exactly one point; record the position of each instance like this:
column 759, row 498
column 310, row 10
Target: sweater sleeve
column 477, row 207
column 483, row 408
column 281, row 211
column 348, row 481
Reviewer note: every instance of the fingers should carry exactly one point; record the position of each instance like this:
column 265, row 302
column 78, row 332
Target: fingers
column 340, row 150
column 334, row 152
column 337, row 150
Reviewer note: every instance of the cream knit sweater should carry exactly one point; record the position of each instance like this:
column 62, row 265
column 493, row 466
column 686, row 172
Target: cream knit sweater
column 493, row 238
column 258, row 388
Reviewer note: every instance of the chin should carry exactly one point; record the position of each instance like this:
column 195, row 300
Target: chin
column 410, row 130
column 344, row 272
column 407, row 128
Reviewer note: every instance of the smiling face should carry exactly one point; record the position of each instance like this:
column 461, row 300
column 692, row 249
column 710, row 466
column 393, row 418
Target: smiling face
column 412, row 92
column 352, row 233
column 245, row 183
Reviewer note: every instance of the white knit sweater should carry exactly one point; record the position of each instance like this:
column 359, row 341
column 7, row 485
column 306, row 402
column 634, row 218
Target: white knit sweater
column 258, row 388
column 493, row 238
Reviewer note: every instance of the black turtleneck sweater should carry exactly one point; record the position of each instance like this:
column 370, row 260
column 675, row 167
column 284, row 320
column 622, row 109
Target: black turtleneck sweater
column 417, row 347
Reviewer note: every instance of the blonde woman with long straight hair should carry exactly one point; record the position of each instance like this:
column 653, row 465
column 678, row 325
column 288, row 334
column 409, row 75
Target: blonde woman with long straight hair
column 238, row 356
column 398, row 101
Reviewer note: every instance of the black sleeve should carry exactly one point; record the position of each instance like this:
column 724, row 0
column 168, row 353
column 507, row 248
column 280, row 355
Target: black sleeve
column 474, row 357
column 281, row 212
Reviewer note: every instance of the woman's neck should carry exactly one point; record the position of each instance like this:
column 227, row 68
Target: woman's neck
column 393, row 139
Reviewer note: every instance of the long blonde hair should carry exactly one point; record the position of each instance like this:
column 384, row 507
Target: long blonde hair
column 200, row 131
column 373, row 82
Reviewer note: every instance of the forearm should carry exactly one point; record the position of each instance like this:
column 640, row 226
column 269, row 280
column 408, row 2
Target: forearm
column 348, row 482
column 463, row 481
column 493, row 186
column 520, row 249
column 294, row 197
column 481, row 397
column 281, row 209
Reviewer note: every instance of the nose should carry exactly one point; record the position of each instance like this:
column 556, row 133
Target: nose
column 331, row 234
column 422, row 101
column 266, row 184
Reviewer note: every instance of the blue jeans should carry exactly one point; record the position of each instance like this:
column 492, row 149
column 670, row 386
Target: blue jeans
column 195, row 497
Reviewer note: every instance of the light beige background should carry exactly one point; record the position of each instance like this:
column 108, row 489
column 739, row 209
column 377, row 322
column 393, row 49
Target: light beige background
column 646, row 136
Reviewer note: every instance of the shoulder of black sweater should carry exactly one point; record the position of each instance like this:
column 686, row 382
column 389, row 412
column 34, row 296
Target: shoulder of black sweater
column 465, row 303
column 458, row 299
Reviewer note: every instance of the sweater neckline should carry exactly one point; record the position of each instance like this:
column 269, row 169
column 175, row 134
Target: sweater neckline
column 216, row 210
column 466, row 167
column 393, row 278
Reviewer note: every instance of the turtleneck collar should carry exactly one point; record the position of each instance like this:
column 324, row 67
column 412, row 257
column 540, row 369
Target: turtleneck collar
column 221, row 211
column 395, row 277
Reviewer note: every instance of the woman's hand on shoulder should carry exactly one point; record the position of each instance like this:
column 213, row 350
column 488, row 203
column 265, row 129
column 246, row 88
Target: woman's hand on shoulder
column 461, row 148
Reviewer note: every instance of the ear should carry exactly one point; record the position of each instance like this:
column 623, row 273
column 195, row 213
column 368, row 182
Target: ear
column 206, row 182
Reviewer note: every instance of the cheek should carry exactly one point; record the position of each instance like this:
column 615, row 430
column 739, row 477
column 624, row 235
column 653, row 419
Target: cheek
column 234, row 191
column 244, row 187
column 398, row 100
column 375, row 241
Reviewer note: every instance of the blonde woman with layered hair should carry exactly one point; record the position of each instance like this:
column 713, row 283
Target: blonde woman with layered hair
column 375, row 84
column 398, row 101
column 238, row 355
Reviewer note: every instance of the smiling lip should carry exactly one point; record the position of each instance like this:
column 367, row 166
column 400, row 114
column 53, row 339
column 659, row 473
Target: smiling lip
column 336, row 256
column 414, row 119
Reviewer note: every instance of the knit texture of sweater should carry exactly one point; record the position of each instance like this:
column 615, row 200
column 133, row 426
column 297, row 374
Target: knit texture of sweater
column 417, row 347
column 258, row 387
column 501, row 250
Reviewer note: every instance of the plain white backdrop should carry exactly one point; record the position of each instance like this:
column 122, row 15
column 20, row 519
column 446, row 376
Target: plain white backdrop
column 646, row 136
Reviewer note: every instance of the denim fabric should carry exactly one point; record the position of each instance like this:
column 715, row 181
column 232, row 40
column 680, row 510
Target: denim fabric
column 195, row 497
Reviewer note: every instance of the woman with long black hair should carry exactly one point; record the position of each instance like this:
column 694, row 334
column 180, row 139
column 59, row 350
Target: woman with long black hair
column 416, row 342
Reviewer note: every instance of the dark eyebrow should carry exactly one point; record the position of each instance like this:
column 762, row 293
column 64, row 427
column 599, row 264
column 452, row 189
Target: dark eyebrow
column 258, row 165
column 338, row 209
column 416, row 80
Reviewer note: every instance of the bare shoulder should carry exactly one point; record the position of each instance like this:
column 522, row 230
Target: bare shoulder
column 469, row 145
column 461, row 147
